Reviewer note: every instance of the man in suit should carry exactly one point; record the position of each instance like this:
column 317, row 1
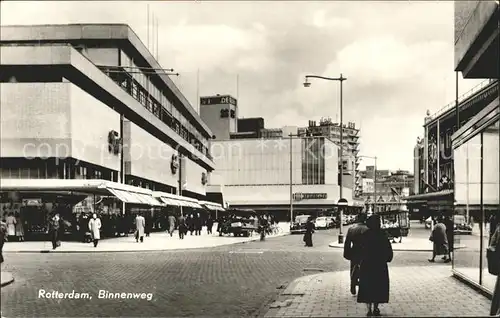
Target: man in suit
column 352, row 248
column 140, row 224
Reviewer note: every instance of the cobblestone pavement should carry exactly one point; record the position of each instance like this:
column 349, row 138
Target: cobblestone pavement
column 226, row 281
column 415, row 292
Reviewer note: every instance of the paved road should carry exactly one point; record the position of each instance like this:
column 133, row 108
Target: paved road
column 235, row 280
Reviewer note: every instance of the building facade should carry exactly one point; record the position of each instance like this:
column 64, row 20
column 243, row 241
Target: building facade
column 255, row 173
column 220, row 113
column 83, row 102
column 475, row 144
column 350, row 142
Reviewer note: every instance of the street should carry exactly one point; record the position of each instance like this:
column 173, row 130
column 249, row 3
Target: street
column 232, row 280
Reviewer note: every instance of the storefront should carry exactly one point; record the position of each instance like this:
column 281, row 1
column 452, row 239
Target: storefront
column 33, row 201
column 477, row 194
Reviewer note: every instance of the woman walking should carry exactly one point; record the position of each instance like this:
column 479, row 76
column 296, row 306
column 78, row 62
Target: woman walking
column 376, row 252
column 494, row 269
column 10, row 220
column 19, row 228
column 309, row 232
column 440, row 240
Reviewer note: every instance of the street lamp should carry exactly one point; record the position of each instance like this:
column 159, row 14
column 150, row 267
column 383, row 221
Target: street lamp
column 374, row 181
column 340, row 79
column 291, row 177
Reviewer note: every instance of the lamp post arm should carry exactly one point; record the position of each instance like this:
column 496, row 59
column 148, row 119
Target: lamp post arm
column 341, row 78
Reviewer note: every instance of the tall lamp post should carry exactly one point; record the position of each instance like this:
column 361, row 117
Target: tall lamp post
column 374, row 181
column 291, row 177
column 340, row 79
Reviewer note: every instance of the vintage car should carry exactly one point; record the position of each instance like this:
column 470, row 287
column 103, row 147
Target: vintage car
column 324, row 222
column 299, row 226
column 461, row 226
column 239, row 222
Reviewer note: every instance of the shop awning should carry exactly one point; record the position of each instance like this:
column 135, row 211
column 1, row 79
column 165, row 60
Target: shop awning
column 177, row 200
column 431, row 195
column 123, row 192
column 213, row 206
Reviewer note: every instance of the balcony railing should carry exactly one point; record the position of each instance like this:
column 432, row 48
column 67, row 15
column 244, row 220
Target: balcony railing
column 462, row 98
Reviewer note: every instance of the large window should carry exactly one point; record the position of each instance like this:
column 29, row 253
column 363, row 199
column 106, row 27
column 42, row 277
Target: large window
column 476, row 166
column 313, row 161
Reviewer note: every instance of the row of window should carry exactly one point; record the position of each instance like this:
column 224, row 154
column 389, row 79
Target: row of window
column 138, row 84
column 313, row 161
column 60, row 170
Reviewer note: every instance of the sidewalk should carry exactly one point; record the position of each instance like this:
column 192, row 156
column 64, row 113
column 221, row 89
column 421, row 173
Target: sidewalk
column 6, row 278
column 159, row 241
column 415, row 292
column 409, row 244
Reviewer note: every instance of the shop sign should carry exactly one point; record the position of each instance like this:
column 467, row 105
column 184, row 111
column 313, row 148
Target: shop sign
column 32, row 202
column 203, row 178
column 299, row 196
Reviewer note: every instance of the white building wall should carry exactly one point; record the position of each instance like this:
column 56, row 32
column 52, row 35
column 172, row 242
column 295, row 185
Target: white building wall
column 192, row 176
column 146, row 156
column 48, row 120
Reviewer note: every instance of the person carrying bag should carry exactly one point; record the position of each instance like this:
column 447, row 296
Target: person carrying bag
column 493, row 257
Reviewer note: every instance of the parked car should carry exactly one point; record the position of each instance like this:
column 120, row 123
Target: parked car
column 299, row 226
column 322, row 222
column 461, row 226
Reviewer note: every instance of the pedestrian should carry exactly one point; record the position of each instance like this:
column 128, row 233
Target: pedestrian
column 10, row 220
column 190, row 223
column 352, row 249
column 197, row 224
column 376, row 252
column 182, row 228
column 171, row 224
column 263, row 226
column 3, row 236
column 210, row 224
column 450, row 229
column 493, row 256
column 95, row 227
column 148, row 224
column 53, row 230
column 440, row 241
column 140, row 224
column 19, row 227
column 309, row 232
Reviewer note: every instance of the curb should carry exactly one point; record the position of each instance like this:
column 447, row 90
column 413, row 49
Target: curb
column 397, row 249
column 46, row 251
column 7, row 279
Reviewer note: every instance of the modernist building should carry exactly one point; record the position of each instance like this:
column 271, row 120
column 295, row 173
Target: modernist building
column 461, row 154
column 351, row 160
column 220, row 113
column 256, row 174
column 476, row 143
column 83, row 102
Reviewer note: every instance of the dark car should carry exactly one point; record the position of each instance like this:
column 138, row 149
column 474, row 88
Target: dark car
column 299, row 226
column 239, row 222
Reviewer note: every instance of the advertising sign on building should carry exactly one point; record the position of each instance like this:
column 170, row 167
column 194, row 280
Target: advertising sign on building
column 299, row 196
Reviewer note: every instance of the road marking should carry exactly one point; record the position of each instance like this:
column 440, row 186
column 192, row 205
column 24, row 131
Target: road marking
column 246, row 252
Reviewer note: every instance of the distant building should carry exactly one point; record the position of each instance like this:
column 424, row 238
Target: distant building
column 220, row 114
column 251, row 127
column 271, row 133
column 350, row 142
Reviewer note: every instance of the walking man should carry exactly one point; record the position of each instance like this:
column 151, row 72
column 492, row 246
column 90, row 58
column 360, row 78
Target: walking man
column 94, row 228
column 182, row 228
column 53, row 229
column 352, row 249
column 210, row 224
column 140, row 224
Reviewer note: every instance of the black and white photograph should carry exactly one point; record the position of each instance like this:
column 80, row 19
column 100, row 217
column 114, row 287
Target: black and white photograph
column 250, row 158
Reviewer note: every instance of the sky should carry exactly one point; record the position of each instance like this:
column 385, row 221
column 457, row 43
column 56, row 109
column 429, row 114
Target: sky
column 398, row 58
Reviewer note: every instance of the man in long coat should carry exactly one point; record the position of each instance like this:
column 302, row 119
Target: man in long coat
column 95, row 229
column 352, row 249
column 140, row 224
